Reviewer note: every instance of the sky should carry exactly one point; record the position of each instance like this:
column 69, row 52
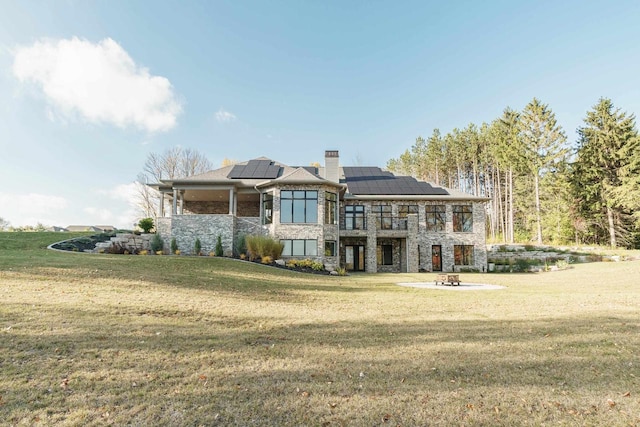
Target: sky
column 88, row 89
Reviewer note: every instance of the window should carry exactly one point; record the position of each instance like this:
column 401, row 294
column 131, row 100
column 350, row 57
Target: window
column 354, row 217
column 267, row 208
column 299, row 247
column 436, row 217
column 330, row 248
column 330, row 208
column 462, row 218
column 299, row 207
column 383, row 216
column 384, row 254
column 403, row 211
column 463, row 254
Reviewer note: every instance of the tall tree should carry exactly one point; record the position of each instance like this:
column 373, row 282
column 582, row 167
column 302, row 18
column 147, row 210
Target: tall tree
column 543, row 142
column 605, row 173
column 173, row 163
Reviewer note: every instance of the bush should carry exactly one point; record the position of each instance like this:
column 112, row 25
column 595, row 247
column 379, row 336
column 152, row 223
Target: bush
column 317, row 266
column 240, row 245
column 341, row 271
column 146, row 224
column 197, row 247
column 174, row 246
column 156, row 243
column 219, row 251
column 262, row 246
column 267, row 259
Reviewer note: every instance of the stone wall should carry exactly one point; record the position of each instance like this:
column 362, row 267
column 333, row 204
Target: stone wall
column 134, row 243
column 187, row 228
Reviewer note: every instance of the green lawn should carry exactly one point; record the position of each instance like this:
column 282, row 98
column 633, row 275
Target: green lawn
column 158, row 340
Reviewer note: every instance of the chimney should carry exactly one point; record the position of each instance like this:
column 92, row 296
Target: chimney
column 332, row 165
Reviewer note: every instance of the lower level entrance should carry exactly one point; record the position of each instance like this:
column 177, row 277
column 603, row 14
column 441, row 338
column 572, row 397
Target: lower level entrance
column 354, row 255
column 436, row 258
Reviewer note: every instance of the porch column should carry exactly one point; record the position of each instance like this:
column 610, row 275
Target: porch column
column 371, row 259
column 412, row 244
column 174, row 210
column 231, row 202
column 161, row 207
column 182, row 202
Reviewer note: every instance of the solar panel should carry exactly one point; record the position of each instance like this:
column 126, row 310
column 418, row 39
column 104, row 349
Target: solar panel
column 375, row 181
column 255, row 169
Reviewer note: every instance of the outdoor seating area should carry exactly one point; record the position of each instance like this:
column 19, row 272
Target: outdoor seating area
column 448, row 279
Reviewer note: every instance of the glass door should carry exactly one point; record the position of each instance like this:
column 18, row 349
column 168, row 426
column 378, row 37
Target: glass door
column 436, row 258
column 354, row 255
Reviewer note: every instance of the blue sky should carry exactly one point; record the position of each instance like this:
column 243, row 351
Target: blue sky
column 89, row 88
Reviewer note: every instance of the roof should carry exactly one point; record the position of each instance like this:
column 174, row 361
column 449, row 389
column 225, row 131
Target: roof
column 375, row 181
column 364, row 182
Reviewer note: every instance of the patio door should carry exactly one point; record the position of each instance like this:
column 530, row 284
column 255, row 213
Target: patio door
column 354, row 255
column 436, row 258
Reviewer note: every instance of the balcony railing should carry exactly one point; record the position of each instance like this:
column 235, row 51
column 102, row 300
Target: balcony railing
column 382, row 223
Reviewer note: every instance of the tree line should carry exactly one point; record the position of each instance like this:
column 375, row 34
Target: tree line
column 542, row 188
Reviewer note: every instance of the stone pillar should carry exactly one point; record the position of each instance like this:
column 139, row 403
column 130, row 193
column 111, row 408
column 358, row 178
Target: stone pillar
column 412, row 244
column 174, row 210
column 161, row 207
column 371, row 260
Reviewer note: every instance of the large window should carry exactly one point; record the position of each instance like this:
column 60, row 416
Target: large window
column 299, row 207
column 436, row 217
column 463, row 254
column 299, row 247
column 354, row 217
column 267, row 208
column 384, row 254
column 330, row 208
column 462, row 218
column 383, row 216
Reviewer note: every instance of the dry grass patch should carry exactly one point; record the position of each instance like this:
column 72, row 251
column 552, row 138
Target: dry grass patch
column 112, row 340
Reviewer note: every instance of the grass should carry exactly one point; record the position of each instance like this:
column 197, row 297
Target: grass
column 158, row 340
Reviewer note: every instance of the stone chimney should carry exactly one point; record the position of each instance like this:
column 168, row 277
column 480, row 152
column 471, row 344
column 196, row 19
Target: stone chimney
column 332, row 165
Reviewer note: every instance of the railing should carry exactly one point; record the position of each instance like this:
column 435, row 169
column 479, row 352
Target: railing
column 391, row 223
column 353, row 223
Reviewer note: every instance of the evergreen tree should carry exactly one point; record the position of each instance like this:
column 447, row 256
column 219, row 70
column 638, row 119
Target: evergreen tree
column 605, row 174
column 543, row 142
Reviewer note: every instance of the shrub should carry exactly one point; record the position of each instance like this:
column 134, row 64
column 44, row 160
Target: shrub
column 262, row 246
column 156, row 243
column 341, row 271
column 317, row 266
column 146, row 224
column 143, row 252
column 197, row 247
column 174, row 246
column 240, row 246
column 219, row 251
column 267, row 259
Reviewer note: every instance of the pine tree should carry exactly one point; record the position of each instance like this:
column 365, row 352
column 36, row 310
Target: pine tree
column 605, row 174
column 543, row 142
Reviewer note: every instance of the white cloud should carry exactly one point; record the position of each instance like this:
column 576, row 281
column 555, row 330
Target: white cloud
column 225, row 116
column 98, row 81
column 98, row 215
column 28, row 209
column 124, row 192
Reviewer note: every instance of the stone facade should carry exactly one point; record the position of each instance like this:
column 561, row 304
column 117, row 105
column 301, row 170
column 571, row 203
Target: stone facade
column 187, row 228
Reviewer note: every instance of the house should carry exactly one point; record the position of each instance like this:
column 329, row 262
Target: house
column 78, row 228
column 360, row 218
